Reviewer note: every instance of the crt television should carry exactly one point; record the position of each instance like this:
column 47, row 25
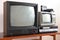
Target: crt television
column 18, row 15
column 46, row 19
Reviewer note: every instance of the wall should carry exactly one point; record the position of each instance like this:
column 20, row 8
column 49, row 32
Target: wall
column 1, row 15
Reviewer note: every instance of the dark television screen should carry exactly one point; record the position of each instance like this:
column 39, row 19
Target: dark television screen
column 22, row 15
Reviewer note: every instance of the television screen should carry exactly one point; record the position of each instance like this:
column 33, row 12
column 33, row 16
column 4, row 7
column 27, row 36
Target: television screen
column 22, row 15
column 46, row 18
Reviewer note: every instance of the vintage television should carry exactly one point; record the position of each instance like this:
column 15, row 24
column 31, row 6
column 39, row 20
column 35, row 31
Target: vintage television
column 46, row 22
column 20, row 18
column 44, row 19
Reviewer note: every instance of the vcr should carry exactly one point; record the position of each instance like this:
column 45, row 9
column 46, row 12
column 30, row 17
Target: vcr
column 22, row 31
column 48, row 29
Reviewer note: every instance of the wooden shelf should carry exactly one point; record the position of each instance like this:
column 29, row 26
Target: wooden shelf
column 27, row 36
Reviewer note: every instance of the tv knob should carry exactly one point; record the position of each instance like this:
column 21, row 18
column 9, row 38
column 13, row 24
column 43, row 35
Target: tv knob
column 34, row 31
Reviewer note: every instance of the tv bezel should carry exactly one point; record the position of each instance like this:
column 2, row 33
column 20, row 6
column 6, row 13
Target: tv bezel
column 10, row 3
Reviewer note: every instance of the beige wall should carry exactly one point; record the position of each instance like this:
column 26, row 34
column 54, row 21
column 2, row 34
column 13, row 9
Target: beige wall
column 55, row 4
column 1, row 15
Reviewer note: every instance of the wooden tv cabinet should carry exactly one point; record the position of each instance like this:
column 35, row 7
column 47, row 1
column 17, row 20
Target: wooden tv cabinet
column 26, row 36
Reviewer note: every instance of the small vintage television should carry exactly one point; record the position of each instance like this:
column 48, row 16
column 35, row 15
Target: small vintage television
column 19, row 18
column 46, row 19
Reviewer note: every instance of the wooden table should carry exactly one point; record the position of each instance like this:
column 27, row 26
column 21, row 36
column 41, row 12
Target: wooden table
column 26, row 36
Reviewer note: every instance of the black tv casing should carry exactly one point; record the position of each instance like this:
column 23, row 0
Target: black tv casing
column 22, row 31
column 10, row 30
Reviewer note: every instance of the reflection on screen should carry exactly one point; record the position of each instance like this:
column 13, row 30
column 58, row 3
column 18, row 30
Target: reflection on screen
column 46, row 18
column 22, row 16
